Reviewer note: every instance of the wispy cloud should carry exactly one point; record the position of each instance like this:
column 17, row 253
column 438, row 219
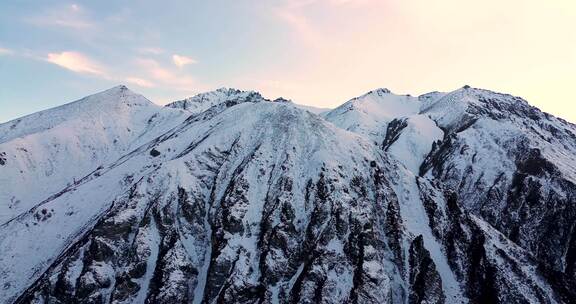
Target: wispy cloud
column 140, row 82
column 180, row 61
column 77, row 62
column 144, row 72
column 166, row 76
column 71, row 16
column 5, row 51
column 300, row 25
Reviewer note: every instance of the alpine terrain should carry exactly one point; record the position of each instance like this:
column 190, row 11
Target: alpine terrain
column 228, row 197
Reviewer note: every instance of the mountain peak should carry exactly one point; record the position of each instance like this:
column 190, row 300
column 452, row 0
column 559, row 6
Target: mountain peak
column 117, row 96
column 120, row 87
column 118, row 100
column 226, row 90
column 282, row 100
column 204, row 101
column 380, row 91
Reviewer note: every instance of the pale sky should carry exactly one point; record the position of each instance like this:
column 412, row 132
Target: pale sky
column 315, row 52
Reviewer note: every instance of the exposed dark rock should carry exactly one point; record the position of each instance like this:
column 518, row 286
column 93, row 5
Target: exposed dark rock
column 154, row 152
column 279, row 210
column 425, row 282
column 393, row 131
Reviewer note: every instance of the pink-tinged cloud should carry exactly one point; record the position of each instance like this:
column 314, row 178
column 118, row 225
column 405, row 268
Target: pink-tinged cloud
column 140, row 82
column 180, row 61
column 77, row 62
column 167, row 77
column 5, row 51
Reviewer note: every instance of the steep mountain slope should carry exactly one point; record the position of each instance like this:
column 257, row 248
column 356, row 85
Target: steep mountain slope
column 503, row 160
column 514, row 166
column 203, row 101
column 52, row 149
column 392, row 122
column 370, row 112
column 280, row 206
column 235, row 198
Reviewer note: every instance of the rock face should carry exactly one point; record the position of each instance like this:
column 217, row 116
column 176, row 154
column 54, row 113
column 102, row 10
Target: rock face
column 232, row 198
column 501, row 162
column 513, row 166
column 425, row 282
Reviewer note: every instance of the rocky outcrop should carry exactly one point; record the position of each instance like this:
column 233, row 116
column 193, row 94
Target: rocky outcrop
column 425, row 282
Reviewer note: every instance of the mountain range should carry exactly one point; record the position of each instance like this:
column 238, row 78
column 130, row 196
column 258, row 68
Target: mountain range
column 228, row 197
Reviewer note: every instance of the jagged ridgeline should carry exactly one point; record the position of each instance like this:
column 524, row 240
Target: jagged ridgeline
column 227, row 197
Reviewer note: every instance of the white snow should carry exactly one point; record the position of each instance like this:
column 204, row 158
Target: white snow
column 312, row 109
column 417, row 223
column 369, row 114
column 107, row 137
column 52, row 149
column 415, row 142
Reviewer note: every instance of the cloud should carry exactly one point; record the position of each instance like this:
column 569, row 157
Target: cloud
column 144, row 72
column 300, row 25
column 140, row 82
column 71, row 16
column 77, row 62
column 5, row 51
column 167, row 77
column 180, row 61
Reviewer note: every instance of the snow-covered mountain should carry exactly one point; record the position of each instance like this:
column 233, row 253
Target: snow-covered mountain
column 203, row 101
column 227, row 197
column 45, row 152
